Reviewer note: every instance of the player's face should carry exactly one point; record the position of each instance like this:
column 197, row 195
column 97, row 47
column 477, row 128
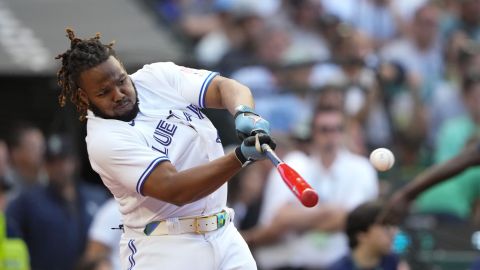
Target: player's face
column 109, row 91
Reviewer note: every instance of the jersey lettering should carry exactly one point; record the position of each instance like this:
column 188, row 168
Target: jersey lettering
column 188, row 116
column 164, row 134
column 164, row 151
column 196, row 111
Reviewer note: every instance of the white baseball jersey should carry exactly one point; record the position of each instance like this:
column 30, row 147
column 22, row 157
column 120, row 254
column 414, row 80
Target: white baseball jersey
column 169, row 127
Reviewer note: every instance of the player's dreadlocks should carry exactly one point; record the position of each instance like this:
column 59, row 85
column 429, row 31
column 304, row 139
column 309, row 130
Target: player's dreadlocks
column 82, row 55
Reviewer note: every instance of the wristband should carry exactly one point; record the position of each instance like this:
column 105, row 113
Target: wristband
column 243, row 109
column 243, row 160
column 240, row 156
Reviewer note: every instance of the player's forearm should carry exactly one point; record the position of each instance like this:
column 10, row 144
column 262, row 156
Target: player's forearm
column 203, row 180
column 441, row 172
column 234, row 94
column 184, row 187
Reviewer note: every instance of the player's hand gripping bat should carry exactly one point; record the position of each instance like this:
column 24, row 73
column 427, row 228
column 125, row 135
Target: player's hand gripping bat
column 300, row 188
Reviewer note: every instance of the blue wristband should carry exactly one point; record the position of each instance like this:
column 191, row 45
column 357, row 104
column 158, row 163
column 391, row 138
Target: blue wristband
column 248, row 122
column 243, row 109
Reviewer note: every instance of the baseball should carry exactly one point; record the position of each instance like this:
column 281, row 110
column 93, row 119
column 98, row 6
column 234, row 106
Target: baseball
column 382, row 159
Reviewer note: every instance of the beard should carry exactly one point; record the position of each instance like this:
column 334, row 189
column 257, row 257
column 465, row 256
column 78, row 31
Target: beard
column 126, row 117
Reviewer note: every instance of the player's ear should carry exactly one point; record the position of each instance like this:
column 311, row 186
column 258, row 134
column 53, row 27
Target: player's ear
column 82, row 95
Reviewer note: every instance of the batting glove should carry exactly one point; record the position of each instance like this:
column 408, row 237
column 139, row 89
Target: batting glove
column 248, row 122
column 250, row 150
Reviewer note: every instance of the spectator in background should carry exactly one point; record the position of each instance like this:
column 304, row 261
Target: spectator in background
column 278, row 81
column 13, row 251
column 301, row 22
column 196, row 18
column 408, row 119
column 246, row 27
column 400, row 96
column 314, row 233
column 462, row 57
column 4, row 167
column 454, row 135
column 379, row 19
column 353, row 56
column 11, row 231
column 420, row 52
column 101, row 263
column 467, row 20
column 370, row 242
column 334, row 96
column 252, row 65
column 104, row 235
column 212, row 46
column 54, row 219
column 269, row 50
column 26, row 145
column 346, row 9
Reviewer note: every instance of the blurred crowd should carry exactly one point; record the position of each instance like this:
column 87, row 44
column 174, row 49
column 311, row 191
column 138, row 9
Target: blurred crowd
column 397, row 68
column 336, row 79
column 64, row 222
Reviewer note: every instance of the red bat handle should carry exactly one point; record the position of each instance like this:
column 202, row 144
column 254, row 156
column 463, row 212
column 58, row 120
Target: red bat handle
column 302, row 190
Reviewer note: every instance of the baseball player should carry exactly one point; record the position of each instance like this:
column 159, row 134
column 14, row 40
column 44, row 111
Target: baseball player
column 161, row 157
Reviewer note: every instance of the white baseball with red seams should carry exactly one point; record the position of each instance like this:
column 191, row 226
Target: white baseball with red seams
column 382, row 159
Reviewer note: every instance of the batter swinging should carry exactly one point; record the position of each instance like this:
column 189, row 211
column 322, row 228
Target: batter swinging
column 161, row 157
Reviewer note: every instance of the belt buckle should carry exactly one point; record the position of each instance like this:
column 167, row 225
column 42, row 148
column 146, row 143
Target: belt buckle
column 196, row 225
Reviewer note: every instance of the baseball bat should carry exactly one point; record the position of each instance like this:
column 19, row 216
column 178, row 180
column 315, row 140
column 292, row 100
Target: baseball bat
column 295, row 182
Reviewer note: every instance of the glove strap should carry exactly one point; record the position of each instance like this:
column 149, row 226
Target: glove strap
column 243, row 109
column 241, row 157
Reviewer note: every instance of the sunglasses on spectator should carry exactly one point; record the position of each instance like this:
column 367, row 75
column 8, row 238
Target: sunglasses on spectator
column 329, row 128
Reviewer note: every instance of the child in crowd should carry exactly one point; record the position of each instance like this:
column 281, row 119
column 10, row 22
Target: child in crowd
column 370, row 242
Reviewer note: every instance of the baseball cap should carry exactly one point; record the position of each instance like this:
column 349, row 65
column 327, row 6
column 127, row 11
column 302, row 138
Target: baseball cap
column 59, row 146
column 4, row 185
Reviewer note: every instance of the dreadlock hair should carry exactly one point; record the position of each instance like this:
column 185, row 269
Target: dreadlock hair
column 82, row 55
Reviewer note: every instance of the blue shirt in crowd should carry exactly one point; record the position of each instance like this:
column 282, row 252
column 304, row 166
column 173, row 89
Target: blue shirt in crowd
column 54, row 230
